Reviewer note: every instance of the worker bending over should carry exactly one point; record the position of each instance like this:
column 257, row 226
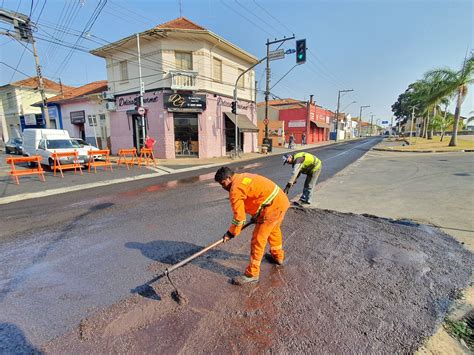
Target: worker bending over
column 267, row 204
column 303, row 163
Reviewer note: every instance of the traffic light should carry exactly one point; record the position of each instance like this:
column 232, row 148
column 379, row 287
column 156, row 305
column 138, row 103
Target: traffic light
column 300, row 51
column 234, row 107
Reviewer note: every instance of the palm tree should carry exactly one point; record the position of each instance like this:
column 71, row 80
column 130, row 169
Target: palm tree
column 449, row 82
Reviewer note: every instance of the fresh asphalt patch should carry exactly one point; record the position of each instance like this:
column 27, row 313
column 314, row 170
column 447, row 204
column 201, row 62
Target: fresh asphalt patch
column 350, row 284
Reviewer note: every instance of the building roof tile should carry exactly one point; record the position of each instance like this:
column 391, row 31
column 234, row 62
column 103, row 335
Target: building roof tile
column 32, row 82
column 74, row 93
column 181, row 23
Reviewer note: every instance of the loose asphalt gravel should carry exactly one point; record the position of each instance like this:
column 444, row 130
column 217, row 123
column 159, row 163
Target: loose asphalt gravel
column 351, row 284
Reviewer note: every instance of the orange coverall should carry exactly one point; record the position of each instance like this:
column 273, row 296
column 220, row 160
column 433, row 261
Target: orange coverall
column 261, row 197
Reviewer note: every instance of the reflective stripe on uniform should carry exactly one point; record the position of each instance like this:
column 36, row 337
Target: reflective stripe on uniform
column 236, row 222
column 268, row 200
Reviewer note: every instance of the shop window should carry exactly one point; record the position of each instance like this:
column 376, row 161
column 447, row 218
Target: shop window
column 186, row 134
column 217, row 69
column 184, row 61
column 123, row 70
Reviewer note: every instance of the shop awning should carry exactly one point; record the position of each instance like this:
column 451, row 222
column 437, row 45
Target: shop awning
column 321, row 124
column 244, row 124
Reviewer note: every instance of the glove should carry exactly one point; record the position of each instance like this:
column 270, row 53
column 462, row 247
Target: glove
column 227, row 236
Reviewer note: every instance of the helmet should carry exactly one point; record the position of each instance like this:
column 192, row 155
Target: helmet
column 285, row 158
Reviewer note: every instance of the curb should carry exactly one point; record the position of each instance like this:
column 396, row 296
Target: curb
column 423, row 151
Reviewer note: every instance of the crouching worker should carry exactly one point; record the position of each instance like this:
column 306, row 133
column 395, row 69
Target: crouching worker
column 267, row 204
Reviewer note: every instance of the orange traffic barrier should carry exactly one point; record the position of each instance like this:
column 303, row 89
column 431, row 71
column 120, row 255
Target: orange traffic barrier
column 15, row 173
column 125, row 154
column 146, row 154
column 94, row 162
column 57, row 162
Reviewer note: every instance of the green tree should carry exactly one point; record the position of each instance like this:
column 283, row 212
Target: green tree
column 450, row 82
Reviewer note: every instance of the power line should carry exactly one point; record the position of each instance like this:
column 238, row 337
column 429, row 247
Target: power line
column 273, row 17
column 245, row 17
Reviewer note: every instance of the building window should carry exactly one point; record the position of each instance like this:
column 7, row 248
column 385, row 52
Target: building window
column 184, row 61
column 241, row 83
column 217, row 69
column 9, row 100
column 123, row 70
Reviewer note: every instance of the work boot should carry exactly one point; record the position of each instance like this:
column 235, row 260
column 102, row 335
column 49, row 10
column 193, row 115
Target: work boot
column 244, row 279
column 304, row 202
column 274, row 260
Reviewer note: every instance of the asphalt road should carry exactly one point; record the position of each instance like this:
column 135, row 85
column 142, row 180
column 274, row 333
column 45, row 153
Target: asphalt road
column 64, row 257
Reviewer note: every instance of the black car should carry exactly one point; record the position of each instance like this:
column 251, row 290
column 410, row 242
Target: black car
column 14, row 146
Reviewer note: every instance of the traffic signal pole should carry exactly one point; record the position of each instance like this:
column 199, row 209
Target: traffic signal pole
column 235, row 106
column 267, row 70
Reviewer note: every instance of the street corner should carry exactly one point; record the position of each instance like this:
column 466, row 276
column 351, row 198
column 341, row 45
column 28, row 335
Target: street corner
column 32, row 186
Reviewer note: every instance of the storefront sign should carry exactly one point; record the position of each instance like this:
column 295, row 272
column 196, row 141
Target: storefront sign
column 295, row 124
column 30, row 119
column 77, row 117
column 184, row 103
column 228, row 103
column 129, row 102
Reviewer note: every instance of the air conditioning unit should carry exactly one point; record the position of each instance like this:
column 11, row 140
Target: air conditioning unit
column 106, row 95
column 110, row 106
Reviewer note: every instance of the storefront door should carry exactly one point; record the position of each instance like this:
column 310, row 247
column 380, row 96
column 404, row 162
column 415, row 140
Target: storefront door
column 186, row 134
column 139, row 132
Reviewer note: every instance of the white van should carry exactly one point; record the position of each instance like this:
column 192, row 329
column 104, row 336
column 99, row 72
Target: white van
column 44, row 142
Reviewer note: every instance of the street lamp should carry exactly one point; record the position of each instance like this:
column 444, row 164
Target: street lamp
column 360, row 119
column 337, row 111
column 344, row 109
column 412, row 119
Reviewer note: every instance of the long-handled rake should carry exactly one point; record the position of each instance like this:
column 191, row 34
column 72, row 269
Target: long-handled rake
column 176, row 294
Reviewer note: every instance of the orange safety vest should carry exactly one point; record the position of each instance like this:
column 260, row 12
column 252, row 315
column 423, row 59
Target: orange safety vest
column 249, row 194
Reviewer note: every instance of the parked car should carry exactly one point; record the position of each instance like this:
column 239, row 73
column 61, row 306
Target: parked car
column 44, row 142
column 14, row 146
column 83, row 144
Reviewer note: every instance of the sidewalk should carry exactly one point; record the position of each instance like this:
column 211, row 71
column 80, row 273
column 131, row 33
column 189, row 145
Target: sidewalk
column 427, row 188
column 421, row 145
column 31, row 187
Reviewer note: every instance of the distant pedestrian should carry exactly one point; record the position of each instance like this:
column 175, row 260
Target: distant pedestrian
column 291, row 142
column 303, row 139
column 303, row 163
column 149, row 142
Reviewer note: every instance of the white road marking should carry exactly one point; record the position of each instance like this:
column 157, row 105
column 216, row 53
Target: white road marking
column 357, row 146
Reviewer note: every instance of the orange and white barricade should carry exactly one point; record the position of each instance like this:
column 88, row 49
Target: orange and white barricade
column 125, row 155
column 146, row 155
column 57, row 165
column 94, row 161
column 14, row 173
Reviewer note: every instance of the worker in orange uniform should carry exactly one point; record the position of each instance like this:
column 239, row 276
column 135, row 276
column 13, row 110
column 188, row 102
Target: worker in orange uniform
column 267, row 204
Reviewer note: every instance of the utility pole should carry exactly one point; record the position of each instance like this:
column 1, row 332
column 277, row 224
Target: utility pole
column 337, row 110
column 371, row 125
column 391, row 128
column 360, row 119
column 267, row 70
column 40, row 82
column 142, row 90
column 21, row 24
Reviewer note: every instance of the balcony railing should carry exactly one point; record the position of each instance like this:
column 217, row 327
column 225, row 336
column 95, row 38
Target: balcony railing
column 183, row 80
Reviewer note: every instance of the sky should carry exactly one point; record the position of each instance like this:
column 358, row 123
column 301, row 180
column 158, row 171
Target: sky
column 376, row 48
